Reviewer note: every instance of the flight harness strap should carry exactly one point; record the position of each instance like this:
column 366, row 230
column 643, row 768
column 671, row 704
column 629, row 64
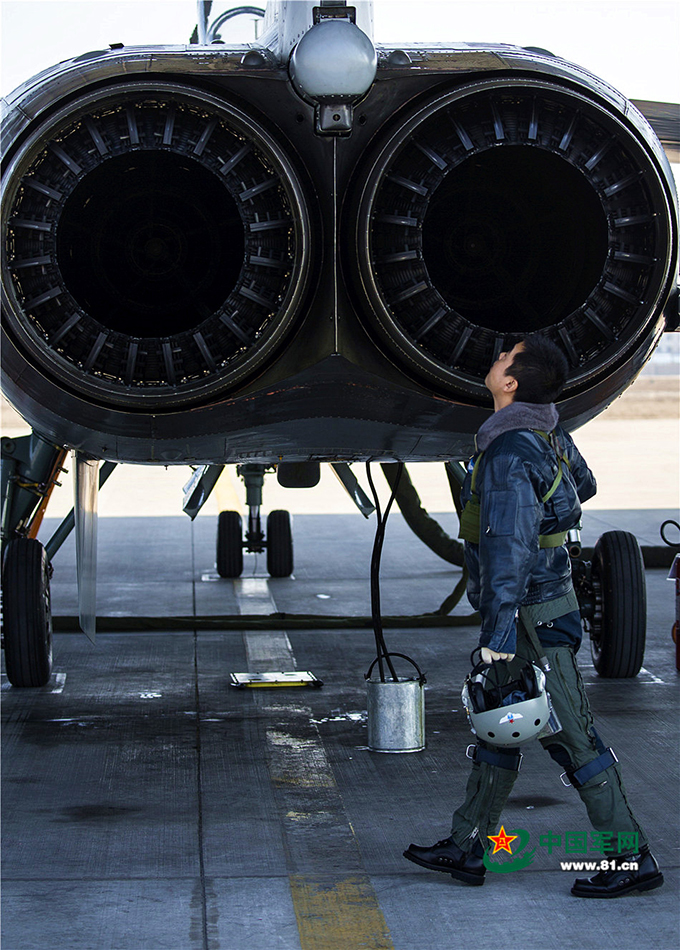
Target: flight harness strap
column 511, row 761
column 470, row 516
column 579, row 777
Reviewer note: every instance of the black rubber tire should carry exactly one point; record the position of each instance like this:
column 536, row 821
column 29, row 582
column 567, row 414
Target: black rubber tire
column 229, row 544
column 619, row 628
column 279, row 544
column 27, row 613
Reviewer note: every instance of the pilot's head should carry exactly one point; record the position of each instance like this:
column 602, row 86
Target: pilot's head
column 534, row 370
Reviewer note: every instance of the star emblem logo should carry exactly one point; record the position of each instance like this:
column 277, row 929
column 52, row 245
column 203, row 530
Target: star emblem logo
column 501, row 841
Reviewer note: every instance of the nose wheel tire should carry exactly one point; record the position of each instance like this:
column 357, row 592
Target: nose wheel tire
column 229, row 544
column 619, row 624
column 279, row 544
column 27, row 613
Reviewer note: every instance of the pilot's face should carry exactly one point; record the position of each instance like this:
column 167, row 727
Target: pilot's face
column 497, row 378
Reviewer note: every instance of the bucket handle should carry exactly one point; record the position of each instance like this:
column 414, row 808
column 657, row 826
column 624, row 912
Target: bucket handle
column 421, row 675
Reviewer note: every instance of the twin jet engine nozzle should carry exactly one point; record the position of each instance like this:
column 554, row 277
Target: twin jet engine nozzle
column 212, row 257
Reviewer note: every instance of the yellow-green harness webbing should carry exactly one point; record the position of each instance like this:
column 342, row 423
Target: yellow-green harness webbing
column 470, row 518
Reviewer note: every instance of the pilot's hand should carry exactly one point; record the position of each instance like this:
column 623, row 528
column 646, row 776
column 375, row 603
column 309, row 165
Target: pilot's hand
column 489, row 656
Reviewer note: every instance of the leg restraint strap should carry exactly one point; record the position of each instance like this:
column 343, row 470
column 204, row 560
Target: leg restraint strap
column 579, row 777
column 502, row 760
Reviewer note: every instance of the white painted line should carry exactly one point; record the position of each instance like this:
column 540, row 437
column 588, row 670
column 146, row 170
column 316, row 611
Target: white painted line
column 60, row 680
column 253, row 596
column 267, row 651
column 652, row 677
column 644, row 678
column 56, row 684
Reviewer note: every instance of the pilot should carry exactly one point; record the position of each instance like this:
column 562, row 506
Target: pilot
column 517, row 510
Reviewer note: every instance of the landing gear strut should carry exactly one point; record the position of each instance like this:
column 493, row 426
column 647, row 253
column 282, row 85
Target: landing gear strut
column 278, row 541
column 31, row 467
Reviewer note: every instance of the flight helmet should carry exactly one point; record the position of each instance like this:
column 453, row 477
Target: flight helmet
column 504, row 712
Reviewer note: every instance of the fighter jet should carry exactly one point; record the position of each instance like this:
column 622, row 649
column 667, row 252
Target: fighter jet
column 305, row 249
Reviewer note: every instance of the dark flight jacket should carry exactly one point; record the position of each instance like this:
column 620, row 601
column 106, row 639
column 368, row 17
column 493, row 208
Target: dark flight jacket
column 508, row 568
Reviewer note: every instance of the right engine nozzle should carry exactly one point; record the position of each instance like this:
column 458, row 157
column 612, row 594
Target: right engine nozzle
column 511, row 205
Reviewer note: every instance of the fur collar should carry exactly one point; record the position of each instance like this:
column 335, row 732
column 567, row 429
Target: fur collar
column 518, row 415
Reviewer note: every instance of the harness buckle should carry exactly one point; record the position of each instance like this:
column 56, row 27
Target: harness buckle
column 565, row 781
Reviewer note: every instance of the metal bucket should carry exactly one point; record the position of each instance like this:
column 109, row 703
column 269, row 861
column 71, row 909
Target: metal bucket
column 396, row 715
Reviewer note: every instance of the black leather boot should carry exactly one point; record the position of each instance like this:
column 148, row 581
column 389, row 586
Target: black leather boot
column 617, row 883
column 448, row 857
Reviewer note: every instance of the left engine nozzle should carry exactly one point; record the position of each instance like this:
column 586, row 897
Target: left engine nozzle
column 157, row 245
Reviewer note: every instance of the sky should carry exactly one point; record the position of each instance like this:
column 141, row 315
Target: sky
column 632, row 44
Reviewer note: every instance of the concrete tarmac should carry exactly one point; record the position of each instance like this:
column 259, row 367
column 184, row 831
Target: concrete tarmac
column 149, row 805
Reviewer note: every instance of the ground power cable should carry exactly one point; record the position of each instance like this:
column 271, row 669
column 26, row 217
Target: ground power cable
column 376, row 555
column 382, row 654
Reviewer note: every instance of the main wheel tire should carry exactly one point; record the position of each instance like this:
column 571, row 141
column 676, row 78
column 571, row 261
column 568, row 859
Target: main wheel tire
column 619, row 625
column 279, row 544
column 27, row 613
column 229, row 544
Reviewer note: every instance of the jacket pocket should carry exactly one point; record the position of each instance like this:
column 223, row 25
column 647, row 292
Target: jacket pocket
column 501, row 514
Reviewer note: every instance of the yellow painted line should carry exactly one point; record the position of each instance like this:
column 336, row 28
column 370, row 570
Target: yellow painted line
column 340, row 914
column 226, row 493
column 336, row 911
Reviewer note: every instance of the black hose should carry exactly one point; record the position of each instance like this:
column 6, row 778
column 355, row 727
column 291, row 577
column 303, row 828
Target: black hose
column 376, row 615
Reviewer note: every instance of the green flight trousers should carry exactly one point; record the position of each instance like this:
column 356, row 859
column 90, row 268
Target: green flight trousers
column 604, row 795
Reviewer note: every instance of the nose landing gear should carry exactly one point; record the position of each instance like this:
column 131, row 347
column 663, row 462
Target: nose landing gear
column 278, row 541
